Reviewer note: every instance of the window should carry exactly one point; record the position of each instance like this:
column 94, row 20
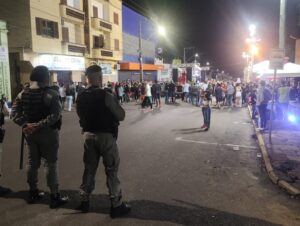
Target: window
column 116, row 18
column 98, row 41
column 95, row 12
column 117, row 45
column 46, row 28
column 65, row 34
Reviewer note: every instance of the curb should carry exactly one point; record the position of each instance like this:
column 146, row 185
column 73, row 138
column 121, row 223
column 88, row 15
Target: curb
column 291, row 190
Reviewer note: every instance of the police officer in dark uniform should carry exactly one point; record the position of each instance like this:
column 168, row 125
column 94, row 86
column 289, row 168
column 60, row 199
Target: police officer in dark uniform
column 37, row 110
column 99, row 115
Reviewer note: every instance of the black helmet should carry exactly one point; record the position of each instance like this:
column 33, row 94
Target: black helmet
column 40, row 74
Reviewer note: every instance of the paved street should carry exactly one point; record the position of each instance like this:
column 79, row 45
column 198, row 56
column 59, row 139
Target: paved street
column 171, row 173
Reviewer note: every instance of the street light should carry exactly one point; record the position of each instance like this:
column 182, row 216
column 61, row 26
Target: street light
column 162, row 30
column 196, row 56
column 253, row 50
column 252, row 29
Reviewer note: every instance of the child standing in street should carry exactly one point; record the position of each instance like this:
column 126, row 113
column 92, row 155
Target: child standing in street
column 206, row 111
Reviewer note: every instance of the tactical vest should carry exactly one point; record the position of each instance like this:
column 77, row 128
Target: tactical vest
column 93, row 114
column 35, row 108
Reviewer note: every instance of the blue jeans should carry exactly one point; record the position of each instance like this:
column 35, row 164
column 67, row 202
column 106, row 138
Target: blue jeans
column 166, row 97
column 229, row 99
column 206, row 115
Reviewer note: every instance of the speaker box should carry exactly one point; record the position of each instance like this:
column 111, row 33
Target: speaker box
column 175, row 74
column 189, row 74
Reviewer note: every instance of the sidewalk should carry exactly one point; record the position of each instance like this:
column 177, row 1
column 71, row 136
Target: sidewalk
column 282, row 154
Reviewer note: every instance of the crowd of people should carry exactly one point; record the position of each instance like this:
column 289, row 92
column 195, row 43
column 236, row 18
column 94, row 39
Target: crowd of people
column 224, row 93
column 37, row 109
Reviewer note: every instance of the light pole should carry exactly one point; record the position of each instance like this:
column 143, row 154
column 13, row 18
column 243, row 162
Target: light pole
column 281, row 46
column 140, row 53
column 282, row 24
column 253, row 49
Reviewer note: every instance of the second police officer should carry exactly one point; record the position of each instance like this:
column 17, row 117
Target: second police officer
column 37, row 110
column 99, row 115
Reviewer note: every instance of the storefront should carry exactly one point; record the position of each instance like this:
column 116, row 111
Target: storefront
column 109, row 69
column 131, row 71
column 64, row 69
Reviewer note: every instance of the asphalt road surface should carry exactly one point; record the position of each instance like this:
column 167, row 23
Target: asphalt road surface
column 172, row 173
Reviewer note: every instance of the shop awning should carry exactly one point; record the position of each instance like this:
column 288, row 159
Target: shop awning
column 136, row 67
column 290, row 70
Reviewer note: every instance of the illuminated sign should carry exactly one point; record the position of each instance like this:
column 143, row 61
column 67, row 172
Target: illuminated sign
column 61, row 62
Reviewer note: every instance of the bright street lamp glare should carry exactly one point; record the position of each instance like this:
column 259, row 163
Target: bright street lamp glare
column 161, row 30
column 254, row 50
column 252, row 29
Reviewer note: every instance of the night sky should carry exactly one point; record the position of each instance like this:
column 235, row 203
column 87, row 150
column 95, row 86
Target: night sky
column 218, row 28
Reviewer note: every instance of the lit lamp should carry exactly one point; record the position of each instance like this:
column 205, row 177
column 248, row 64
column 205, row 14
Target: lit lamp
column 162, row 31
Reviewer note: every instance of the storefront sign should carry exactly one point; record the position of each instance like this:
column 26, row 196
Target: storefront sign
column 189, row 65
column 277, row 59
column 61, row 62
column 106, row 69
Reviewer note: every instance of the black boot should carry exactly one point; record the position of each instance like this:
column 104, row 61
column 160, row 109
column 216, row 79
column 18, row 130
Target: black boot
column 56, row 200
column 34, row 196
column 4, row 191
column 84, row 207
column 120, row 211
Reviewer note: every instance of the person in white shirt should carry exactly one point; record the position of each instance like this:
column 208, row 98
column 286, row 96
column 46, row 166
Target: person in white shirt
column 62, row 94
column 238, row 95
column 147, row 99
column 186, row 88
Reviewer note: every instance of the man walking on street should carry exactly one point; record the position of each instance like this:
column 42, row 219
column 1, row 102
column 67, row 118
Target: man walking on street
column 38, row 111
column 157, row 93
column 99, row 115
column 230, row 92
column 263, row 97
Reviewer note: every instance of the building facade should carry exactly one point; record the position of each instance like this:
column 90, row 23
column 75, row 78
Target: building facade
column 42, row 32
column 103, row 35
column 5, row 87
column 130, row 67
column 64, row 35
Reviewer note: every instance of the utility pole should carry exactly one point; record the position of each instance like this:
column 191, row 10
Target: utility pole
column 140, row 53
column 282, row 24
column 281, row 46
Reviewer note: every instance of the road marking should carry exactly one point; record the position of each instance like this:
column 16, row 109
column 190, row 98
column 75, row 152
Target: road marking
column 243, row 123
column 204, row 142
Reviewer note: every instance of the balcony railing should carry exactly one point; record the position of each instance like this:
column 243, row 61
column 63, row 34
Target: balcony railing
column 101, row 24
column 102, row 53
column 73, row 48
column 72, row 14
